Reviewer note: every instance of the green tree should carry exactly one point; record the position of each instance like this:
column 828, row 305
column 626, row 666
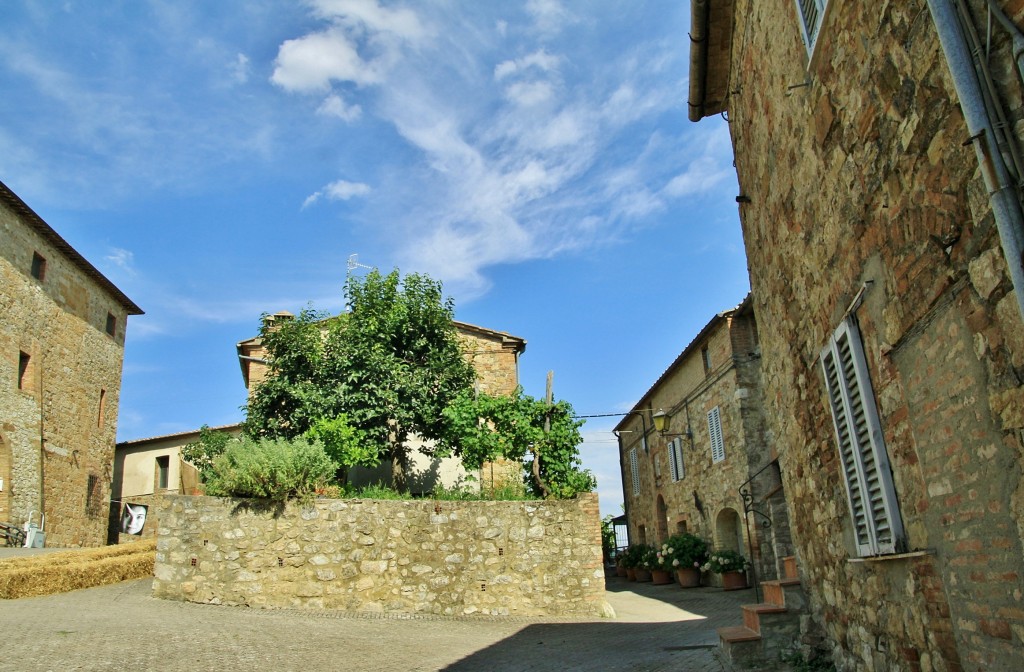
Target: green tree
column 203, row 451
column 390, row 367
column 545, row 438
column 344, row 444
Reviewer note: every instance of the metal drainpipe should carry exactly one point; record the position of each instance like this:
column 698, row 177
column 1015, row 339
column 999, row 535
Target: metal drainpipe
column 1015, row 33
column 1002, row 196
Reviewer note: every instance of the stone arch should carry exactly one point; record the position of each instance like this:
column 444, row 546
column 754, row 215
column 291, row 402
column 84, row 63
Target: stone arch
column 728, row 530
column 662, row 519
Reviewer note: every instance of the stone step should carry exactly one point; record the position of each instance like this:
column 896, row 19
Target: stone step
column 784, row 592
column 789, row 570
column 752, row 614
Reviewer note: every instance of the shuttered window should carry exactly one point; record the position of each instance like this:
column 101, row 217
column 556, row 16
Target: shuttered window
column 634, row 470
column 715, row 432
column 878, row 527
column 675, row 459
column 810, row 13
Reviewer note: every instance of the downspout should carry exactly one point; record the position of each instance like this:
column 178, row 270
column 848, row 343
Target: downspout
column 1015, row 34
column 698, row 57
column 1006, row 207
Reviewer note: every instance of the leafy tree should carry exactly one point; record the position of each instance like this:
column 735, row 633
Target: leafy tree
column 389, row 367
column 344, row 444
column 203, row 451
column 518, row 427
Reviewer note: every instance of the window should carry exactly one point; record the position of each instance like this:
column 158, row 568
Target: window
column 163, row 468
column 705, row 357
column 715, row 432
column 810, row 13
column 878, row 527
column 23, row 370
column 111, row 324
column 38, row 267
column 103, row 406
column 634, row 470
column 675, row 459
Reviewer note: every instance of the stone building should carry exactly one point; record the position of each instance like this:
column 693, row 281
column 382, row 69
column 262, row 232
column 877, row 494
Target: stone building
column 61, row 352
column 689, row 477
column 885, row 265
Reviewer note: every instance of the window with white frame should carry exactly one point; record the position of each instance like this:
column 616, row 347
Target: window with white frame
column 675, row 459
column 810, row 13
column 878, row 528
column 715, row 432
column 634, row 470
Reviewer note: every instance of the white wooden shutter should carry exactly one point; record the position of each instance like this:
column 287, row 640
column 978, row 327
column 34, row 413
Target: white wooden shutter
column 715, row 432
column 634, row 470
column 878, row 527
column 675, row 459
column 810, row 14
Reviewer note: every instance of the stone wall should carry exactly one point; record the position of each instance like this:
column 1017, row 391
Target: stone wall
column 60, row 377
column 856, row 171
column 415, row 556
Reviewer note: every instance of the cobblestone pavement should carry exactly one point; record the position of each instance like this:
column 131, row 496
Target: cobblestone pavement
column 121, row 627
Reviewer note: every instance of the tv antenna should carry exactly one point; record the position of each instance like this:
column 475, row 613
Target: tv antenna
column 353, row 263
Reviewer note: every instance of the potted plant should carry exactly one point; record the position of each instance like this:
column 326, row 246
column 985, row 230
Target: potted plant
column 646, row 561
column 687, row 554
column 631, row 560
column 731, row 565
column 661, row 570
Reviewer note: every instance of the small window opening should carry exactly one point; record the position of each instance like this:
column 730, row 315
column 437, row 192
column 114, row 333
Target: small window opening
column 23, row 370
column 705, row 357
column 103, row 407
column 111, row 324
column 163, row 468
column 38, row 267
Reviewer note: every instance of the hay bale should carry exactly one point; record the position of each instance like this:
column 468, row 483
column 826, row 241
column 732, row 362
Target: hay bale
column 75, row 570
column 79, row 555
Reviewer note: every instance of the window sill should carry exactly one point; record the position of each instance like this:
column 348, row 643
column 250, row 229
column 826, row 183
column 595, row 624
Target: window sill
column 894, row 556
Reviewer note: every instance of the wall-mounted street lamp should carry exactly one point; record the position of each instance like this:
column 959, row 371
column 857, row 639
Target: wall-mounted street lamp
column 661, row 421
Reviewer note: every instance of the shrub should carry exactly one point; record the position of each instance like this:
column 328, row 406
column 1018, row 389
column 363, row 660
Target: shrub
column 275, row 469
column 684, row 550
column 725, row 561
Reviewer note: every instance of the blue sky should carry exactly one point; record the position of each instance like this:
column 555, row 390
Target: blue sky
column 219, row 160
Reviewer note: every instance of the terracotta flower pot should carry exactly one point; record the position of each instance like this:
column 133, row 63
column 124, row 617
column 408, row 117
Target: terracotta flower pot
column 643, row 574
column 631, row 573
column 620, row 570
column 689, row 577
column 661, row 577
column 734, row 580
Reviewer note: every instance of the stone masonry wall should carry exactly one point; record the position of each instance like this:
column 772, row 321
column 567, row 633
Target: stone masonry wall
column 856, row 170
column 60, row 424
column 416, row 556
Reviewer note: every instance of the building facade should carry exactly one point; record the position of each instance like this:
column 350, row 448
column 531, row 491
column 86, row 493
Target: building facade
column 61, row 352
column 693, row 476
column 885, row 262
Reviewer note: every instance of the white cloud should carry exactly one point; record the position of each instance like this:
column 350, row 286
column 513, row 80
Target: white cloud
column 340, row 190
column 540, row 60
column 240, row 69
column 549, row 16
column 312, row 62
column 123, row 259
column 401, row 22
column 528, row 94
column 335, row 106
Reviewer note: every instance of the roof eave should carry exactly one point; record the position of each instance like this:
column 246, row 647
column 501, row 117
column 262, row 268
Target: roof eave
column 711, row 23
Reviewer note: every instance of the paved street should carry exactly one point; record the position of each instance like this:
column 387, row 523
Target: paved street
column 121, row 627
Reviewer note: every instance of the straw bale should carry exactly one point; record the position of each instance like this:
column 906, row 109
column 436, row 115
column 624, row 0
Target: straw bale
column 78, row 555
column 31, row 579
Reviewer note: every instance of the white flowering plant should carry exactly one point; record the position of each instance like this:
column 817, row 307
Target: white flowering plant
column 721, row 562
column 682, row 551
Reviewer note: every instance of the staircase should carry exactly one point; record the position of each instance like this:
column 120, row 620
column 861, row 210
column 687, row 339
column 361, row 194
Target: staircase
column 769, row 629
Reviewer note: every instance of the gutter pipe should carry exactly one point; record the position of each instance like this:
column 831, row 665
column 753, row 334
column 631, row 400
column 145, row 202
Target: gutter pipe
column 1006, row 208
column 698, row 58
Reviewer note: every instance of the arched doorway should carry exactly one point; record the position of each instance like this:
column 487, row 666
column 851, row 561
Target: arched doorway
column 728, row 530
column 662, row 520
